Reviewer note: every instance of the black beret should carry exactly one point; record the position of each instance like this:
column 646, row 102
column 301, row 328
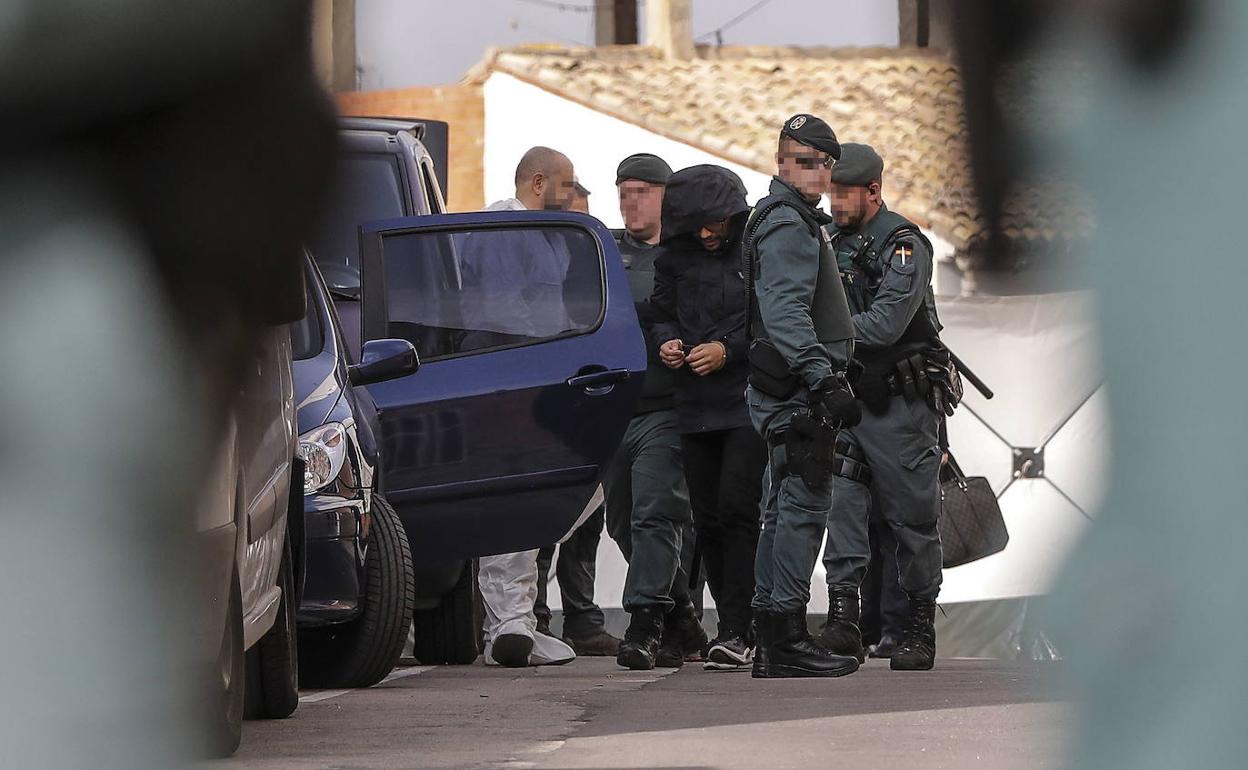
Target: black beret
column 643, row 167
column 812, row 132
column 859, row 165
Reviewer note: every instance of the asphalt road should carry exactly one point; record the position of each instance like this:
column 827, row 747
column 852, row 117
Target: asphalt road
column 591, row 714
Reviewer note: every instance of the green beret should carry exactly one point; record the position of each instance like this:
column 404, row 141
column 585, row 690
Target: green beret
column 812, row 132
column 643, row 167
column 859, row 166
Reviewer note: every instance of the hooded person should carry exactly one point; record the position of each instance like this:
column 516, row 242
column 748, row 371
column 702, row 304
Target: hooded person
column 698, row 326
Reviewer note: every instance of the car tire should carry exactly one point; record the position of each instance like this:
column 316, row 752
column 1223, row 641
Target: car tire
column 361, row 652
column 227, row 683
column 450, row 633
column 273, row 691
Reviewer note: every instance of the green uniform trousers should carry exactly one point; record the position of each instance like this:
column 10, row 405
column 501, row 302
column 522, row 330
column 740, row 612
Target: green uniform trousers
column 901, row 448
column 793, row 518
column 648, row 511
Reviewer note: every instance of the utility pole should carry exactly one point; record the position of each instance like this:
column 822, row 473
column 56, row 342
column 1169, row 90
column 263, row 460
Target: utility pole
column 615, row 22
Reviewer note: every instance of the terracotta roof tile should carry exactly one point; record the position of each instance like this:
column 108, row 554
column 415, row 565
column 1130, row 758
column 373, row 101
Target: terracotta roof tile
column 731, row 101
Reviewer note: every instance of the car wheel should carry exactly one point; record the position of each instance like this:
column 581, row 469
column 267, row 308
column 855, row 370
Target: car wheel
column 450, row 633
column 274, row 690
column 225, row 696
column 361, row 652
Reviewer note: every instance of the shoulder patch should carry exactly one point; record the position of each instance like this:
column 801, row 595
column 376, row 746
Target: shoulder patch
column 903, row 253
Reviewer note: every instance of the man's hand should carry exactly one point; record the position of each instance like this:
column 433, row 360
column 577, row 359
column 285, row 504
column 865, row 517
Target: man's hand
column 707, row 357
column 837, row 405
column 671, row 355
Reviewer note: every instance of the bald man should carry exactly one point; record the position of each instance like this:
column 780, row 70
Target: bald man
column 513, row 291
column 545, row 181
column 513, row 284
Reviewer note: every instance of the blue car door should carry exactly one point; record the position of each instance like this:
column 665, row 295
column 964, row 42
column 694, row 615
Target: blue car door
column 531, row 366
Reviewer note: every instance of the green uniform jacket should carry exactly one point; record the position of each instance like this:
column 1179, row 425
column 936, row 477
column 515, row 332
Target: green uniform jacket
column 788, row 270
column 894, row 288
column 660, row 382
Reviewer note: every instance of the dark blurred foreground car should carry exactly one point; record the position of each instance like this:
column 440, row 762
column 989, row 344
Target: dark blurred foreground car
column 356, row 566
column 498, row 443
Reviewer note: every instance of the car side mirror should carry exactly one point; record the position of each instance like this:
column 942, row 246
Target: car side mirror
column 382, row 360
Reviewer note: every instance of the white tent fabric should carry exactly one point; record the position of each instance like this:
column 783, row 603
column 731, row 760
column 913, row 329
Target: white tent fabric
column 1038, row 353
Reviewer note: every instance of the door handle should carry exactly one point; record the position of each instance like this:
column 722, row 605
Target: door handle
column 599, row 380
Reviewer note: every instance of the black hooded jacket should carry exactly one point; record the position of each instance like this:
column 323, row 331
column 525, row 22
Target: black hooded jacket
column 699, row 295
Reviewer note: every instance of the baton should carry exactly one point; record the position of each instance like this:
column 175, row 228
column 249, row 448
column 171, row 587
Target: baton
column 979, row 384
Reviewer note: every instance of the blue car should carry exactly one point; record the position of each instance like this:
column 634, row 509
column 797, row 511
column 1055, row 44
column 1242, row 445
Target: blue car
column 356, row 579
column 531, row 365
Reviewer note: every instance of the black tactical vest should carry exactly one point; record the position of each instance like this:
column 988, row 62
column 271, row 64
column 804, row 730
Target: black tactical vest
column 871, row 257
column 829, row 310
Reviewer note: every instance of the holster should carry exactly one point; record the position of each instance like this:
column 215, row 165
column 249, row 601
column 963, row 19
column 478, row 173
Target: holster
column 810, row 449
column 769, row 372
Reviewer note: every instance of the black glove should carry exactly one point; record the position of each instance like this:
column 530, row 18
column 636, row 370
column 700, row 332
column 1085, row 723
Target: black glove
column 834, row 402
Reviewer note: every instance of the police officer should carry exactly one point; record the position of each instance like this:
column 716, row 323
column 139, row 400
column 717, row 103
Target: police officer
column 893, row 456
column 648, row 512
column 802, row 343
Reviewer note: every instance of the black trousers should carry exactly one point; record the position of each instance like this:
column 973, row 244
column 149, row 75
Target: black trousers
column 724, row 470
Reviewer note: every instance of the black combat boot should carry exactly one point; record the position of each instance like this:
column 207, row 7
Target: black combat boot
column 684, row 639
column 917, row 651
column 841, row 634
column 641, row 640
column 762, row 640
column 792, row 653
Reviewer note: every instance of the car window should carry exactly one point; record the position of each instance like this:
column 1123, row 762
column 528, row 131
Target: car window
column 368, row 187
column 453, row 294
column 307, row 335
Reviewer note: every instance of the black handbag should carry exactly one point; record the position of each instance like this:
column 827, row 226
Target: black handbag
column 971, row 526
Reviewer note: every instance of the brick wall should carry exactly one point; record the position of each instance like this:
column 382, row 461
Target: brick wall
column 461, row 106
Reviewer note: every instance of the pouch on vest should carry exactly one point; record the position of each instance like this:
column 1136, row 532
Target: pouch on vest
column 769, row 372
